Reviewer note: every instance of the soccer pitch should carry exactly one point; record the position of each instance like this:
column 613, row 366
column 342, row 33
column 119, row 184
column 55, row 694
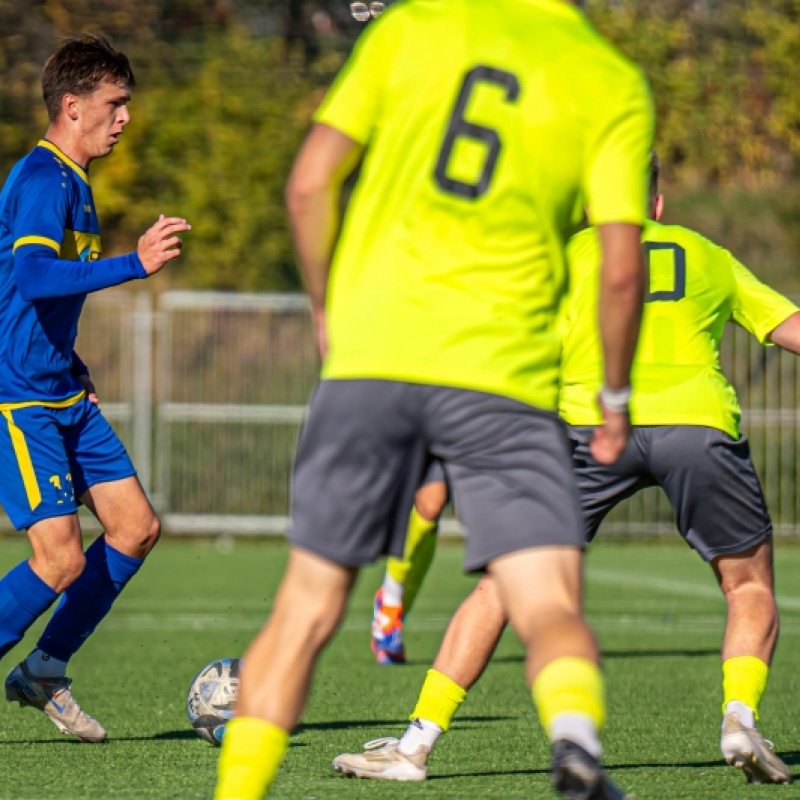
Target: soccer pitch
column 655, row 607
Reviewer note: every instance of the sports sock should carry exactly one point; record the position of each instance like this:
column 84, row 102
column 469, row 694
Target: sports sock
column 419, row 732
column 252, row 751
column 392, row 590
column 438, row 700
column 568, row 694
column 24, row 597
column 87, row 601
column 744, row 678
column 410, row 571
column 41, row 665
column 420, row 558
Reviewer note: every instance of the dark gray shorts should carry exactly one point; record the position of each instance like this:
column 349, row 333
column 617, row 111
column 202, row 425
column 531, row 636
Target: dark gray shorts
column 366, row 445
column 707, row 476
column 434, row 473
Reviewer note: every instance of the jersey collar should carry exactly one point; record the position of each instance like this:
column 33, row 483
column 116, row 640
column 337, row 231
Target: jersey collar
column 75, row 167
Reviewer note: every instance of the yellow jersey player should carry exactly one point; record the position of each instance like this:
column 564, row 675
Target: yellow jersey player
column 483, row 129
column 686, row 439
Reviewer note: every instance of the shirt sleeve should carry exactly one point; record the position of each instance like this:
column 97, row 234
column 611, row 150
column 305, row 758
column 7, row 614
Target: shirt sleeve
column 758, row 308
column 617, row 164
column 352, row 104
column 38, row 233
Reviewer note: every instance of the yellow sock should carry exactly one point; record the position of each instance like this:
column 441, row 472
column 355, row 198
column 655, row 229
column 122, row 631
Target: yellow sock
column 439, row 699
column 744, row 678
column 252, row 751
column 420, row 547
column 569, row 686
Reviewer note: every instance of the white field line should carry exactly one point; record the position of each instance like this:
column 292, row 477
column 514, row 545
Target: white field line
column 233, row 614
column 684, row 588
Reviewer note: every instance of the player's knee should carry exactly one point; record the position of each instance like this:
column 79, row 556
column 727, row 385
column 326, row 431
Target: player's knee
column 62, row 568
column 489, row 594
column 430, row 501
column 152, row 531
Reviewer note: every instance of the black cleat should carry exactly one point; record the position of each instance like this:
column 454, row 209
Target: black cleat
column 578, row 776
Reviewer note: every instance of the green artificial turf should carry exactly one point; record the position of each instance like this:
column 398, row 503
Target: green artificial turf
column 655, row 608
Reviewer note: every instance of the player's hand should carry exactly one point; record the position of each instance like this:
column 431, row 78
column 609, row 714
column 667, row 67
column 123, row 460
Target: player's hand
column 91, row 392
column 161, row 243
column 610, row 438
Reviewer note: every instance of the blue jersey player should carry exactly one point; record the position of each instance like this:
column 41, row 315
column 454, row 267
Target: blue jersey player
column 56, row 449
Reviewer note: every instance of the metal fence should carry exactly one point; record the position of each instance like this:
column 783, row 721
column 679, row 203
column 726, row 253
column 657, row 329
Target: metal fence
column 208, row 389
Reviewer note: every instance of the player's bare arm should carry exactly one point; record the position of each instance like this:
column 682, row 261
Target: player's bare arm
column 160, row 243
column 622, row 286
column 324, row 162
column 787, row 334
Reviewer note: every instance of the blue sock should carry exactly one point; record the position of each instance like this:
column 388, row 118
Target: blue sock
column 86, row 602
column 24, row 597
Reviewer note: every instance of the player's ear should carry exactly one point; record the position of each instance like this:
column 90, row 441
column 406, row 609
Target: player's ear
column 69, row 106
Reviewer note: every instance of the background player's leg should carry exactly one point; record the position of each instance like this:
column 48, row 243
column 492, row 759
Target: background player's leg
column 751, row 632
column 746, row 580
column 429, row 504
column 404, row 576
column 468, row 644
column 276, row 672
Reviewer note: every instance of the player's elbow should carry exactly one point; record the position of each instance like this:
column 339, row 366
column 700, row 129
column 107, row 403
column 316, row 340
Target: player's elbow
column 303, row 188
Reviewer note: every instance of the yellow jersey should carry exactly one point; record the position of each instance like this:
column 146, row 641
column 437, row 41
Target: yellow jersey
column 487, row 127
column 695, row 287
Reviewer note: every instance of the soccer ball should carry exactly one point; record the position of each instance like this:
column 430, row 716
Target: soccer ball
column 211, row 697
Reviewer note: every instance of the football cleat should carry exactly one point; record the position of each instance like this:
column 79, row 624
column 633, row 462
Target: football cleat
column 387, row 632
column 54, row 698
column 382, row 761
column 576, row 775
column 747, row 750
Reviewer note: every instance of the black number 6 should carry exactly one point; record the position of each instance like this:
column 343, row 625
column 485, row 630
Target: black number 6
column 458, row 126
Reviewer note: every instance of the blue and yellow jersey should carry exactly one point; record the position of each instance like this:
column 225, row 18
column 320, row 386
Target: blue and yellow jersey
column 488, row 125
column 49, row 260
column 695, row 288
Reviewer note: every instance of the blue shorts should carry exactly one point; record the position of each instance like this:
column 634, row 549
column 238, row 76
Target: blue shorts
column 51, row 456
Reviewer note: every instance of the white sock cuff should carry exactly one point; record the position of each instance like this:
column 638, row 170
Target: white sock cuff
column 577, row 728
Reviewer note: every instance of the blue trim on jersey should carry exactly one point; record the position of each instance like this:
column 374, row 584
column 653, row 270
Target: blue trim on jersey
column 49, row 261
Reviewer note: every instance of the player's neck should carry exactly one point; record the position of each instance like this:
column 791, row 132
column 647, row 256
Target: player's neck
column 68, row 144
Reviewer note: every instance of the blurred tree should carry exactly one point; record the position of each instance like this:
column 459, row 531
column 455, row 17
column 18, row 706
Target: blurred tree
column 215, row 147
column 227, row 87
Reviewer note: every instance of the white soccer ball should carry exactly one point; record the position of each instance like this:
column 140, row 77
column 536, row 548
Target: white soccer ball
column 211, row 698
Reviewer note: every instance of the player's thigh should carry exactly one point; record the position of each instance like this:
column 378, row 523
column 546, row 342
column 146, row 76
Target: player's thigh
column 512, row 479
column 604, row 486
column 95, row 451
column 35, row 467
column 531, row 581
column 360, row 458
column 713, row 487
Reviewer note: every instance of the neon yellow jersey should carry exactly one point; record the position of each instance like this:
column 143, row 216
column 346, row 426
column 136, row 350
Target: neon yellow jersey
column 695, row 288
column 487, row 126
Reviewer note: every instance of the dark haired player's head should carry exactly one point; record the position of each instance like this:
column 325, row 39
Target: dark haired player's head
column 79, row 66
column 656, row 200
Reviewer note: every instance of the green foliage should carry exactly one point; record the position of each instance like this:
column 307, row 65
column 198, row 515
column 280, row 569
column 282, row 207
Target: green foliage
column 226, row 91
column 214, row 144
